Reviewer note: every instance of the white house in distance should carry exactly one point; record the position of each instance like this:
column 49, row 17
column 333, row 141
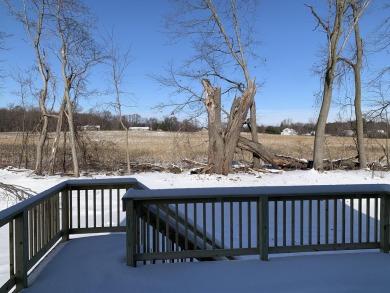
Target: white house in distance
column 288, row 131
column 133, row 128
column 89, row 127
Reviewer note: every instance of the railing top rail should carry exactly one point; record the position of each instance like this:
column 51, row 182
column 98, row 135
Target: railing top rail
column 104, row 182
column 256, row 191
column 9, row 213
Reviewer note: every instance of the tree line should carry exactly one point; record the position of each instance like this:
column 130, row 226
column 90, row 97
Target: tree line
column 19, row 119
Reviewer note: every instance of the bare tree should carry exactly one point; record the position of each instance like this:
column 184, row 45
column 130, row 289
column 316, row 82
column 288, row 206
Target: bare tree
column 380, row 111
column 33, row 17
column 222, row 38
column 118, row 60
column 78, row 53
column 337, row 37
column 357, row 8
column 24, row 83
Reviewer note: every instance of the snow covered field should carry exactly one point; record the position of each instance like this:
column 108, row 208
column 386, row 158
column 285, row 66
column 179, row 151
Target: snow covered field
column 97, row 264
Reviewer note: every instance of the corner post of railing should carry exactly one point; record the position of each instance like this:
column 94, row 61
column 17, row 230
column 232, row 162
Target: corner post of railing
column 65, row 214
column 130, row 232
column 264, row 227
column 21, row 250
column 385, row 224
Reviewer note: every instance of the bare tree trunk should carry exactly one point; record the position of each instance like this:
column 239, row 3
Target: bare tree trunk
column 40, row 146
column 213, row 107
column 56, row 141
column 358, row 91
column 72, row 135
column 319, row 139
column 333, row 54
column 64, row 155
column 253, row 123
column 127, row 142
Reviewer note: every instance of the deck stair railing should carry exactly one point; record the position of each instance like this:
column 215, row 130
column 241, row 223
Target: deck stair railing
column 171, row 225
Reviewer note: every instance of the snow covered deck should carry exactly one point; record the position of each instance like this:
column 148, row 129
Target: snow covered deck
column 97, row 264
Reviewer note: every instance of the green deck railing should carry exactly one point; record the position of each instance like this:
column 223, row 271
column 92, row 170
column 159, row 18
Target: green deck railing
column 185, row 224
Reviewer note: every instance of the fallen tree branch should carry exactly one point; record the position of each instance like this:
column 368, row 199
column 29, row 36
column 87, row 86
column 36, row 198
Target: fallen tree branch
column 302, row 161
column 258, row 149
column 17, row 192
column 194, row 162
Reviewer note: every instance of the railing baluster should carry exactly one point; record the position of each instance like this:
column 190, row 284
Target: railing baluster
column 94, row 208
column 167, row 227
column 213, row 225
column 263, row 208
column 31, row 233
column 40, row 215
column 301, row 213
column 231, row 224
column 284, row 219
column 376, row 217
column 318, row 221
column 310, row 221
column 343, row 221
column 177, row 226
column 275, row 223
column 360, row 215
column 240, row 224
column 204, row 225
column 102, row 206
column 110, row 206
column 186, row 226
column 157, row 233
column 292, row 222
column 249, row 225
column 148, row 240
column 326, row 221
column 86, row 209
column 335, row 215
column 78, row 209
column 351, row 216
column 11, row 244
column 385, row 224
column 368, row 219
column 222, row 223
column 195, row 227
column 118, row 208
column 70, row 208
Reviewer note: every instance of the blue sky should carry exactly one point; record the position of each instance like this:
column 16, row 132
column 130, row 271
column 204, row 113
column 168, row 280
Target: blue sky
column 289, row 45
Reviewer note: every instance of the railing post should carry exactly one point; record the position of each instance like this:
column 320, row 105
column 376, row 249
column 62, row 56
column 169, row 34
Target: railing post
column 130, row 233
column 21, row 250
column 384, row 224
column 65, row 214
column 264, row 227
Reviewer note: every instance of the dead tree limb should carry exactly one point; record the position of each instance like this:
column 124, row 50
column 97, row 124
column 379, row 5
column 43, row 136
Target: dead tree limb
column 17, row 192
column 258, row 149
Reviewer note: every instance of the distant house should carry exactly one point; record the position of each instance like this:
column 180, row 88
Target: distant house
column 348, row 132
column 289, row 131
column 89, row 127
column 139, row 128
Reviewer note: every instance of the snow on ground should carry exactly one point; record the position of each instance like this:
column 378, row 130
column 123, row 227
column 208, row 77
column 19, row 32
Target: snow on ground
column 97, row 264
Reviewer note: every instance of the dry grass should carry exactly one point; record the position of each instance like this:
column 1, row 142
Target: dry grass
column 106, row 149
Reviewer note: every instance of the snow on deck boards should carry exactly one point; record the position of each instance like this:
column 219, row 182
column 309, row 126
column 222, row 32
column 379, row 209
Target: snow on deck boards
column 97, row 264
